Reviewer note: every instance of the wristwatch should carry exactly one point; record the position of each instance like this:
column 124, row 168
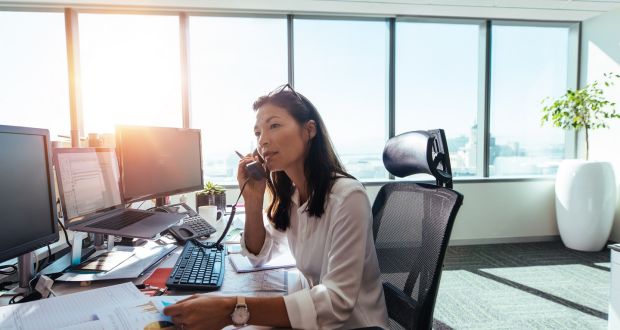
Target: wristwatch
column 241, row 315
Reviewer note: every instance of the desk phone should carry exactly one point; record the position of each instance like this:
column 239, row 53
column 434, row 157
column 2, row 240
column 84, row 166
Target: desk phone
column 194, row 226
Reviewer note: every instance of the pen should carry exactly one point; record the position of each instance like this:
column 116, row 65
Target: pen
column 239, row 154
column 160, row 292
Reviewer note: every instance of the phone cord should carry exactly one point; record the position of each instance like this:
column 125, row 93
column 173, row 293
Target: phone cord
column 218, row 244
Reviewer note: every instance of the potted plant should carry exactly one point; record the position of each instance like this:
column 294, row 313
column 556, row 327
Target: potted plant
column 212, row 194
column 585, row 190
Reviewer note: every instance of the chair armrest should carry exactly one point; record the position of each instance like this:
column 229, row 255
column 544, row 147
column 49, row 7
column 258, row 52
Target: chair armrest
column 400, row 306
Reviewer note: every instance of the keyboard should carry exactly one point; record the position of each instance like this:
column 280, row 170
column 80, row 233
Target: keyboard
column 198, row 269
column 199, row 226
column 122, row 220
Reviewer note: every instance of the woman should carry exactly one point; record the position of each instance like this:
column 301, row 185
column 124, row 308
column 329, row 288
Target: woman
column 318, row 210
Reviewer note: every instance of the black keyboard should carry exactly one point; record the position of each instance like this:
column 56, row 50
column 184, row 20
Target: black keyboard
column 198, row 269
column 122, row 220
column 199, row 226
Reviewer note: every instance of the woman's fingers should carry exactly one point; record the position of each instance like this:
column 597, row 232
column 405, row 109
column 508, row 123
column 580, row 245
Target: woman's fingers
column 177, row 308
column 173, row 310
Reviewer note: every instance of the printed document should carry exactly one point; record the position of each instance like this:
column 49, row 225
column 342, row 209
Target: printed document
column 70, row 310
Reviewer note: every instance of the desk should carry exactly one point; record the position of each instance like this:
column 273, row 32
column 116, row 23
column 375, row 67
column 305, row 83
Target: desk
column 275, row 282
column 263, row 283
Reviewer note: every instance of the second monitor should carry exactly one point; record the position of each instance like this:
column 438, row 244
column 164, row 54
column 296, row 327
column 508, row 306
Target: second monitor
column 157, row 162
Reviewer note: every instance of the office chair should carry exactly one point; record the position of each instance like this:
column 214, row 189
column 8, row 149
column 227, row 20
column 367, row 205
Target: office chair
column 412, row 225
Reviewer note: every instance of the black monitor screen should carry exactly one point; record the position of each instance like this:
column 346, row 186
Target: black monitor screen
column 27, row 198
column 158, row 161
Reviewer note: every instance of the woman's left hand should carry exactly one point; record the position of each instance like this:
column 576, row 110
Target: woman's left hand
column 202, row 312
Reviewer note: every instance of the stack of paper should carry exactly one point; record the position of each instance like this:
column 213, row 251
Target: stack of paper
column 116, row 307
column 142, row 259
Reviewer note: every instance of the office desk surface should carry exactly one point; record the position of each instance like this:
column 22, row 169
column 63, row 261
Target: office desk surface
column 275, row 282
column 263, row 283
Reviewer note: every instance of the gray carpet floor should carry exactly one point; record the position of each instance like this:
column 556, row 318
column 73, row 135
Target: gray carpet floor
column 523, row 286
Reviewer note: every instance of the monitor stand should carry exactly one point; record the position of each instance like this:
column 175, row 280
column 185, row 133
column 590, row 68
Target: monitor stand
column 76, row 251
column 25, row 272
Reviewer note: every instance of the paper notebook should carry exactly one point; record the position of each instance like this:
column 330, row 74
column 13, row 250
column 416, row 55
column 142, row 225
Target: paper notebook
column 242, row 264
column 159, row 277
column 233, row 236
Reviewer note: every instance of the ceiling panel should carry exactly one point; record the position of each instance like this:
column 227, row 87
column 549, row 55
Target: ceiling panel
column 566, row 10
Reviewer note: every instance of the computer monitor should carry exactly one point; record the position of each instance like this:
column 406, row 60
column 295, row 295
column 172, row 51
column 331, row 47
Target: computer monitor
column 157, row 162
column 28, row 218
column 88, row 182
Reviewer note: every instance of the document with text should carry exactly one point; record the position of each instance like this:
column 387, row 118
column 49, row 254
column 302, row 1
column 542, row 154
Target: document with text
column 73, row 310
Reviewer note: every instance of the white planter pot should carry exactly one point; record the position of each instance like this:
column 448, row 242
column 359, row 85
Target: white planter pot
column 585, row 201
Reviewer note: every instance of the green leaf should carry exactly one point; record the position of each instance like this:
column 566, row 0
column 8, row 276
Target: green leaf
column 582, row 108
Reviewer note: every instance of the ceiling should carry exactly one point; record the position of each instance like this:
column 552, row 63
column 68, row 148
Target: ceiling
column 523, row 9
column 569, row 10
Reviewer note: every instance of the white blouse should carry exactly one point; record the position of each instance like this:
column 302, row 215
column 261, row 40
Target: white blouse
column 336, row 254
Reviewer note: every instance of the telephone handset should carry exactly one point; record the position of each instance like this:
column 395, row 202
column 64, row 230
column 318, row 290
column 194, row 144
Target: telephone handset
column 255, row 169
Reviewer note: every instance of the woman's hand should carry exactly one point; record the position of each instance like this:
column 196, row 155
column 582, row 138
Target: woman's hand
column 202, row 312
column 253, row 195
column 254, row 191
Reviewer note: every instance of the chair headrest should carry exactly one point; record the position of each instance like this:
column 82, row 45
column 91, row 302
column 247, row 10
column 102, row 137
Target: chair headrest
column 416, row 152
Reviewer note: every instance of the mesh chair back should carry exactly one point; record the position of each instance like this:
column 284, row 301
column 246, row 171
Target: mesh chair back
column 412, row 226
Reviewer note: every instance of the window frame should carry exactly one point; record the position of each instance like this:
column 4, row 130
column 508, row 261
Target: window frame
column 572, row 76
column 183, row 46
column 43, row 9
column 482, row 84
column 573, row 73
column 189, row 122
column 389, row 92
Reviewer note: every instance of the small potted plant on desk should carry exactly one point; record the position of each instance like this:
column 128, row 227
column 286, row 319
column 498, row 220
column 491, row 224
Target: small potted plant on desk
column 212, row 194
column 585, row 190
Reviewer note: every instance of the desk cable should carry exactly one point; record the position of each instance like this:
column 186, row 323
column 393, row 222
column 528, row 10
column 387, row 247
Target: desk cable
column 60, row 215
column 218, row 243
column 4, row 271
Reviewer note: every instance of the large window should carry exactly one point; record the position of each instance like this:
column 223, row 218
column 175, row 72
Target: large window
column 341, row 66
column 484, row 92
column 528, row 63
column 233, row 61
column 437, row 86
column 34, row 87
column 130, row 67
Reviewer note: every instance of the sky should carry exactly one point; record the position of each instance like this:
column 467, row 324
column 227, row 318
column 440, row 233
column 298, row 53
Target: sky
column 130, row 71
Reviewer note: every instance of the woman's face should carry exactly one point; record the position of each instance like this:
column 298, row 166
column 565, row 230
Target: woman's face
column 282, row 142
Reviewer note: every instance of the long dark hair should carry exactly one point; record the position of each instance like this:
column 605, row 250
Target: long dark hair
column 321, row 166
